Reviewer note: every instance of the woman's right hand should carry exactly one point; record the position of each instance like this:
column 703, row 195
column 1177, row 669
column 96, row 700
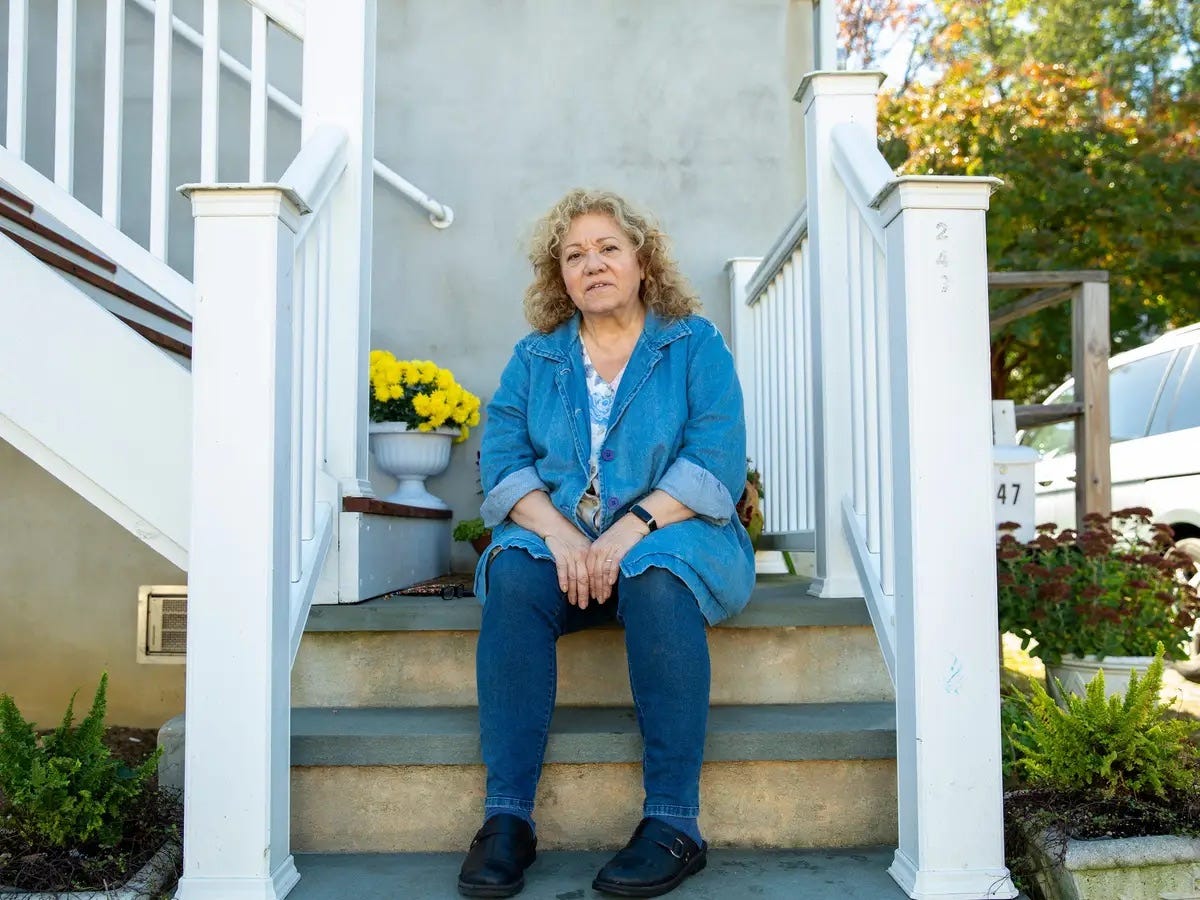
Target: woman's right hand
column 570, row 547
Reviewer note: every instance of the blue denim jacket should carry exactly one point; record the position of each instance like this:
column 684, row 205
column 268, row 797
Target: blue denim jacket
column 677, row 425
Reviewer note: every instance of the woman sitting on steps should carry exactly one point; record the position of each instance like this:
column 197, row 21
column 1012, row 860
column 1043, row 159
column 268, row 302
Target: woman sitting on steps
column 612, row 459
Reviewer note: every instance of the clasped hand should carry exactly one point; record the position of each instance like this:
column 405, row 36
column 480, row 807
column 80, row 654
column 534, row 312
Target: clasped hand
column 589, row 569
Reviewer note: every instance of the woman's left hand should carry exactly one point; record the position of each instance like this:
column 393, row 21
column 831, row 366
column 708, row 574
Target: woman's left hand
column 607, row 551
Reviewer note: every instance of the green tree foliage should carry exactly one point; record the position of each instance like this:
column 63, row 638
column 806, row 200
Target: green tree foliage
column 66, row 789
column 1089, row 110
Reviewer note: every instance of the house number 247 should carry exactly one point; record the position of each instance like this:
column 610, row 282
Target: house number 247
column 943, row 234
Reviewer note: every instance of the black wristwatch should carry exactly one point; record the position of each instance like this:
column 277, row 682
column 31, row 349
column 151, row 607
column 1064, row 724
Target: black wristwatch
column 642, row 513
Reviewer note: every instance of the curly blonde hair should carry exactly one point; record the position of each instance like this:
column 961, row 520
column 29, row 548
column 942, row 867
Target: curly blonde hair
column 664, row 289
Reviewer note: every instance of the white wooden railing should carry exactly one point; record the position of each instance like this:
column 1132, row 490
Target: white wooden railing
column 281, row 332
column 773, row 349
column 132, row 218
column 872, row 311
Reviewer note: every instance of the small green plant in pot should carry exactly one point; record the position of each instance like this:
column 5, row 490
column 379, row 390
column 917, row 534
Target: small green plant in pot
column 1108, row 595
column 750, row 506
column 473, row 532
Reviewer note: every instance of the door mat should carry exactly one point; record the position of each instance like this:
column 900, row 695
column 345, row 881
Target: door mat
column 448, row 587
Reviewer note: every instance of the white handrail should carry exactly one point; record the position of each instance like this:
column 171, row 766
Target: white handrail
column 780, row 252
column 287, row 14
column 441, row 215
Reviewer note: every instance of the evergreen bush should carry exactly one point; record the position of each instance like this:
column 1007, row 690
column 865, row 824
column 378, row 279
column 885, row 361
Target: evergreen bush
column 1116, row 748
column 66, row 789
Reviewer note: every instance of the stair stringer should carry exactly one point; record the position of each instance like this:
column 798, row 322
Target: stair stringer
column 94, row 404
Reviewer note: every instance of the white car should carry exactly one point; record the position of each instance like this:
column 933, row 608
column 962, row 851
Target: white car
column 1154, row 410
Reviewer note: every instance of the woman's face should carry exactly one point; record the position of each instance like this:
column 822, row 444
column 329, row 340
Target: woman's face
column 599, row 266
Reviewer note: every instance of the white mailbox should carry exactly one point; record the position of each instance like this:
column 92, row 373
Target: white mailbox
column 1012, row 473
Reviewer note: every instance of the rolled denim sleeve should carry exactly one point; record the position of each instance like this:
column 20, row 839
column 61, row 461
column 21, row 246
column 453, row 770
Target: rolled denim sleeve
column 506, row 456
column 709, row 473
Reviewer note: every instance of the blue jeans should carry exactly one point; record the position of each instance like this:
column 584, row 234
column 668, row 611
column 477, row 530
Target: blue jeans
column 516, row 666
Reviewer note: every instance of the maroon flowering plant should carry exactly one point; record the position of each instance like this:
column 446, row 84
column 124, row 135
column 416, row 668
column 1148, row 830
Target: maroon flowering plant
column 1112, row 589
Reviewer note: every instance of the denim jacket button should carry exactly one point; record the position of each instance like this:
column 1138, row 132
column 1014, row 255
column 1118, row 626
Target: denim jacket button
column 607, row 454
column 613, row 502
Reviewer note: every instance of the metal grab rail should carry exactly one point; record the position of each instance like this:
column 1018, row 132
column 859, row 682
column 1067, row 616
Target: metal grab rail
column 441, row 215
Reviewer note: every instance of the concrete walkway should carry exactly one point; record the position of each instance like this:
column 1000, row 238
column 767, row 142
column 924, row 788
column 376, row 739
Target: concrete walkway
column 730, row 875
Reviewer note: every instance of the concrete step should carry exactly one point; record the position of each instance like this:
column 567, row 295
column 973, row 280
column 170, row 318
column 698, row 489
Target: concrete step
column 411, row 780
column 856, row 874
column 786, row 647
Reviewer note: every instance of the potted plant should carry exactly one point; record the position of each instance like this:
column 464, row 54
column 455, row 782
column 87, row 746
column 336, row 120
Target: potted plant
column 1105, row 596
column 1110, row 804
column 750, row 506
column 417, row 409
column 473, row 532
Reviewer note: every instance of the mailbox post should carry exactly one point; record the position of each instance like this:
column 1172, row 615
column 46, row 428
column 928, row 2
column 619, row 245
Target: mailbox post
column 1012, row 473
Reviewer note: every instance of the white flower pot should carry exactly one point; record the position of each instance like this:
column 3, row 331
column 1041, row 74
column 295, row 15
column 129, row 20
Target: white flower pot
column 1075, row 672
column 410, row 457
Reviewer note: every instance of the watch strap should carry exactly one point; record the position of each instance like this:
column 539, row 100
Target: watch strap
column 644, row 514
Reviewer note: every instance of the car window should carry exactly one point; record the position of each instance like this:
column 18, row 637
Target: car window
column 1166, row 396
column 1186, row 412
column 1057, row 439
column 1132, row 390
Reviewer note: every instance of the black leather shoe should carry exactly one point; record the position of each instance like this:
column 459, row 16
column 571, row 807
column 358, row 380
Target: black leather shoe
column 655, row 861
column 500, row 853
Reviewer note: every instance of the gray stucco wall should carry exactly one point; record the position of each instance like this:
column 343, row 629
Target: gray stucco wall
column 684, row 107
column 496, row 108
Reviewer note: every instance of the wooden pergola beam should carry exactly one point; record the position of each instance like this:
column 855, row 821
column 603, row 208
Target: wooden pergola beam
column 1046, row 279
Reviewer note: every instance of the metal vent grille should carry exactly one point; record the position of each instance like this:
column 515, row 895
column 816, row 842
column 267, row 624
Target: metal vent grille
column 162, row 623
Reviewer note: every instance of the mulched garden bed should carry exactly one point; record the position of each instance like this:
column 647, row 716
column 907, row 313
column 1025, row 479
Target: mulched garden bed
column 157, row 818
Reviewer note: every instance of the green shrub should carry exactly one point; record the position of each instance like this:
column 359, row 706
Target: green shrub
column 66, row 789
column 470, row 529
column 1116, row 747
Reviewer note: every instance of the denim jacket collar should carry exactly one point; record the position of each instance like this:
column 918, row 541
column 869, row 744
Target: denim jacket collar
column 656, row 334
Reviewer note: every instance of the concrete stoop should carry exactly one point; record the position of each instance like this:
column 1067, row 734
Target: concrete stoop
column 858, row 874
column 391, row 780
column 385, row 738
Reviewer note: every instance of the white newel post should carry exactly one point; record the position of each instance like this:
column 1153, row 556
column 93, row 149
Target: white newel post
column 339, row 90
column 236, row 781
column 830, row 99
column 951, row 818
column 741, row 318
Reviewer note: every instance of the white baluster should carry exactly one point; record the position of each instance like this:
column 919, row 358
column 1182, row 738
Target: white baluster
column 777, row 427
column 870, row 383
column 792, row 437
column 762, row 377
column 324, row 244
column 308, row 446
column 741, row 316
column 210, row 92
column 854, row 298
column 18, row 72
column 810, row 431
column 258, row 96
column 799, row 374
column 299, row 271
column 160, row 131
column 64, row 99
column 114, row 111
column 887, row 505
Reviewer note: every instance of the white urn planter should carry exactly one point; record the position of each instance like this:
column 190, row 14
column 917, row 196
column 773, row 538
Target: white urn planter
column 411, row 456
column 1075, row 672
